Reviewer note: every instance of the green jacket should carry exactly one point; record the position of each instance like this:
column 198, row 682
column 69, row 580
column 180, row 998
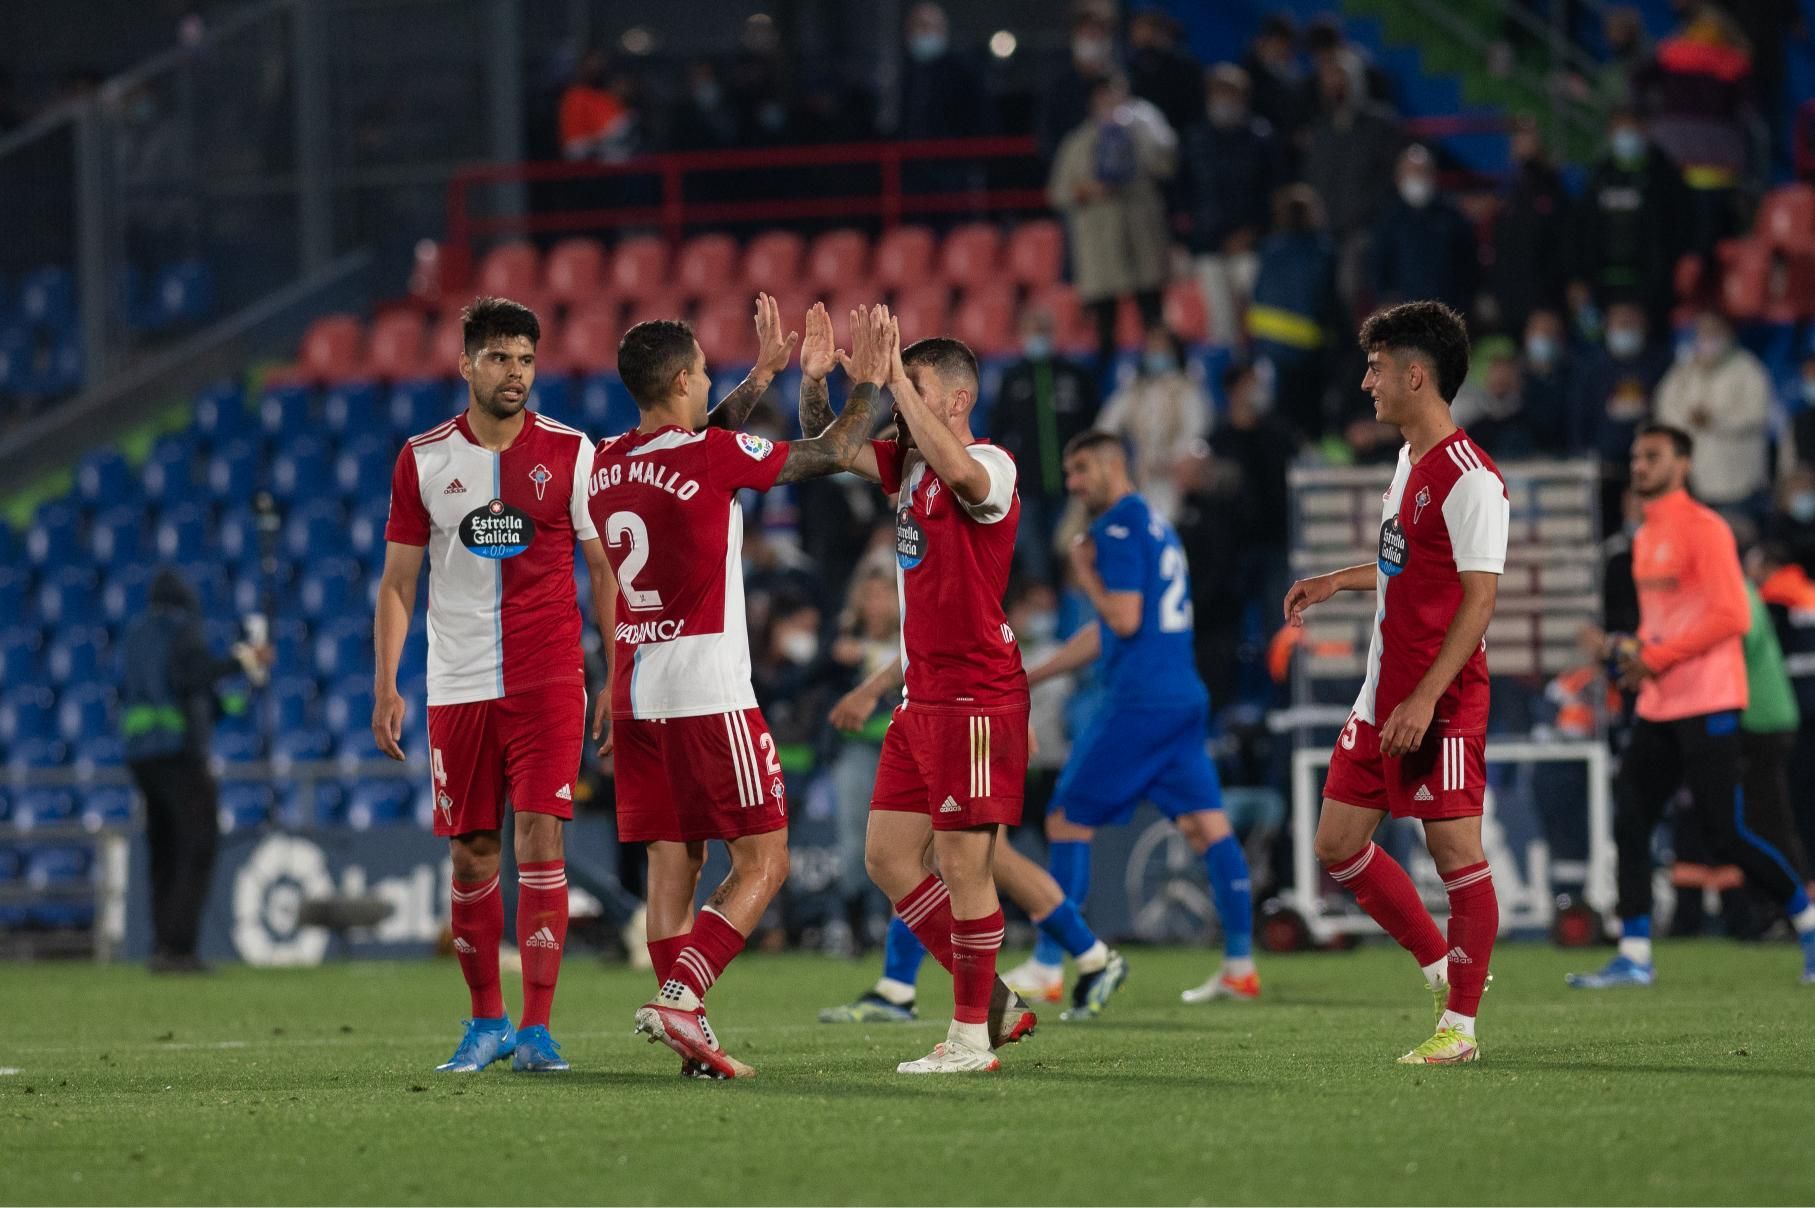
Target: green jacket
column 1772, row 700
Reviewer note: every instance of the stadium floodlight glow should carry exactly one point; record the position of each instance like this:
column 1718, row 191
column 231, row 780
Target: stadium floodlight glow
column 1002, row 44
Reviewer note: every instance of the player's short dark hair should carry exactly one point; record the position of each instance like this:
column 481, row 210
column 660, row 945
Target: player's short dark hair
column 1096, row 441
column 1431, row 330
column 649, row 356
column 488, row 319
column 953, row 359
column 1679, row 439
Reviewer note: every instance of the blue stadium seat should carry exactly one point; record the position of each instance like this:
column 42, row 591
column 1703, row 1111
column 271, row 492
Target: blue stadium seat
column 210, row 582
column 6, row 809
column 363, row 468
column 78, row 653
column 300, row 470
column 348, row 708
column 12, row 860
column 606, row 406
column 15, row 584
column 221, row 414
column 238, row 745
column 344, row 648
column 354, row 409
column 380, row 803
column 116, row 536
column 28, row 711
column 330, row 589
column 69, row 599
column 553, row 396
column 85, row 710
column 59, row 865
column 284, row 412
column 47, row 297
column 61, row 916
column 43, row 807
column 315, row 528
column 182, row 294
column 415, row 407
column 18, row 350
column 310, row 743
column 312, row 803
column 100, row 751
column 103, row 477
column 21, row 654
column 32, row 754
column 233, row 472
column 244, row 805
column 294, row 700
column 183, row 532
column 169, row 484
column 108, row 806
column 365, row 529
column 56, row 529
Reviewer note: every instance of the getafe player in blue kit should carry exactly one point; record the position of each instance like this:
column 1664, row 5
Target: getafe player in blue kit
column 1147, row 741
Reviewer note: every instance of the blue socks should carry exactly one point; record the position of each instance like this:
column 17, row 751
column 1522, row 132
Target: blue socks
column 902, row 953
column 1227, row 867
column 1069, row 863
column 1066, row 927
column 1636, row 928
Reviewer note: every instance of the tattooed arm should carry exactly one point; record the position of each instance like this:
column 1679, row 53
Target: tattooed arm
column 838, row 446
column 772, row 355
column 817, row 357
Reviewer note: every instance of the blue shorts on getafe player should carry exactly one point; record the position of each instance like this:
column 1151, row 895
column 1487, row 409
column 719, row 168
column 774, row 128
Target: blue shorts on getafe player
column 1127, row 756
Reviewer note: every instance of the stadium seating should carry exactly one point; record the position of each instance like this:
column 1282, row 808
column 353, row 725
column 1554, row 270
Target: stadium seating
column 705, row 264
column 902, row 257
column 772, row 258
column 510, row 270
column 639, row 266
column 574, row 272
column 837, row 259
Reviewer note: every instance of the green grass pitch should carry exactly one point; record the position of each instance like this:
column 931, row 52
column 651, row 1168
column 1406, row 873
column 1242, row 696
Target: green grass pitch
column 316, row 1086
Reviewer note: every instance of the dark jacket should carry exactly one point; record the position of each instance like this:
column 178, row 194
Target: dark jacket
column 1030, row 392
column 1173, row 81
column 1294, row 289
column 1426, row 251
column 1531, row 235
column 1348, row 159
column 1611, row 397
column 1629, row 229
column 1228, row 178
column 167, row 702
column 941, row 98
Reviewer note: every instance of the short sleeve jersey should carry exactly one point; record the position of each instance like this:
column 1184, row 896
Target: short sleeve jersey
column 1155, row 667
column 500, row 530
column 952, row 561
column 665, row 503
column 1446, row 515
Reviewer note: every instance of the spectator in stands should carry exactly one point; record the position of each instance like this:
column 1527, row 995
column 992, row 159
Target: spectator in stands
column 1628, row 50
column 941, row 91
column 1424, row 246
column 1277, row 82
column 1107, row 181
column 167, row 711
column 1349, row 156
column 1799, row 404
column 1160, row 72
column 1326, row 44
column 1295, row 315
column 1492, row 402
column 1547, row 374
column 1530, row 233
column 704, row 120
column 1044, row 400
column 1721, row 396
column 1257, row 448
column 1090, row 58
column 759, row 86
column 1163, row 415
column 1696, row 90
column 1628, row 227
column 595, row 122
column 868, row 639
column 1791, row 521
column 1230, row 163
column 1612, row 397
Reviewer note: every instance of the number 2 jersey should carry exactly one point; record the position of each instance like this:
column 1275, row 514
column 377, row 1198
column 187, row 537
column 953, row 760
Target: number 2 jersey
column 665, row 504
column 1444, row 516
column 952, row 560
column 1155, row 667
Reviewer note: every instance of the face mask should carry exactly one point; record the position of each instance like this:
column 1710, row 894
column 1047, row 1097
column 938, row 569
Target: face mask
column 1628, row 145
column 1802, row 507
column 1541, row 350
column 1625, row 342
column 1090, row 51
column 1417, row 191
column 1157, row 363
column 799, row 648
column 1037, row 347
column 926, row 46
column 1226, row 113
column 1039, row 627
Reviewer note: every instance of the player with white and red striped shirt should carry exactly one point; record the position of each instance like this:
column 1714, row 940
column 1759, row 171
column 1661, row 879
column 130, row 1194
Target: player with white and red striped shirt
column 694, row 759
column 1414, row 746
column 495, row 498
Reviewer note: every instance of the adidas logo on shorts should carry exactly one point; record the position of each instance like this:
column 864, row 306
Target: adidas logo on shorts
column 564, row 793
column 951, row 807
column 1423, row 793
column 543, row 938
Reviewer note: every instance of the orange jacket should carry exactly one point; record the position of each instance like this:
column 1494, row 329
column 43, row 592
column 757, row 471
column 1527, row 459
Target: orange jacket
column 1692, row 610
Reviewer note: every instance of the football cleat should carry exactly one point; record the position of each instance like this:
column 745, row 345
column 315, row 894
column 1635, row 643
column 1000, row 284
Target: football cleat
column 1091, row 994
column 1010, row 1018
column 1620, row 971
column 1245, row 988
column 689, row 1034
column 486, row 1041
column 537, row 1052
column 1041, row 983
column 950, row 1057
column 1450, row 1046
column 870, row 1007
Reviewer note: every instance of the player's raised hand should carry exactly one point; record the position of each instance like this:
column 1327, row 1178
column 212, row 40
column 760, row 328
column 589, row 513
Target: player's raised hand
column 601, row 721
column 773, row 350
column 868, row 361
column 1083, row 555
column 1404, row 730
column 1305, row 593
column 853, row 710
column 817, row 351
column 387, row 723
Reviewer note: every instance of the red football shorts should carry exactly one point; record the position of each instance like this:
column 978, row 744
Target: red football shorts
column 1446, row 777
column 685, row 779
column 960, row 769
column 524, row 747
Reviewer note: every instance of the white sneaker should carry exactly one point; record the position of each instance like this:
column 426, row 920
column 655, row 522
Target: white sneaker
column 1041, row 983
column 950, row 1057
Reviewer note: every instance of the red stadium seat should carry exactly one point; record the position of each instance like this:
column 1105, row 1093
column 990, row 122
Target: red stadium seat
column 706, row 265
column 332, row 351
column 842, row 303
column 1073, row 327
column 985, row 319
column 1797, row 301
column 1786, row 218
column 427, row 283
column 394, row 352
column 575, row 271
column 551, row 353
column 639, row 266
column 923, row 310
column 971, row 254
column 1185, row 312
column 654, row 306
column 773, row 260
column 446, row 342
column 1036, row 253
column 726, row 333
column 837, row 259
column 1130, row 333
column 904, row 257
column 589, row 339
column 1690, row 276
column 1745, row 286
column 510, row 270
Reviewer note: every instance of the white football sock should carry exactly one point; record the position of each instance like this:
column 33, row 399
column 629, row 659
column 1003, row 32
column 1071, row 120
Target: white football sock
column 897, row 992
column 1636, row 948
column 1437, row 973
column 1464, row 1024
column 1237, row 966
column 1093, row 958
column 972, row 1035
column 1804, row 922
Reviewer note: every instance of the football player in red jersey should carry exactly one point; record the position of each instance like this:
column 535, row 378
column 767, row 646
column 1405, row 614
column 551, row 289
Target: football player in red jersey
column 1414, row 744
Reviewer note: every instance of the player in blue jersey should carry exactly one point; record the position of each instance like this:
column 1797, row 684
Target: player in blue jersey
column 1147, row 741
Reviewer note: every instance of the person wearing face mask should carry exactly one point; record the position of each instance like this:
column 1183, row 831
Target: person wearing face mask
column 1791, row 523
column 1296, row 309
column 1160, row 72
column 941, row 93
column 1529, row 233
column 1424, row 247
column 1612, row 395
column 1044, row 400
column 1547, row 373
column 703, row 121
column 1230, row 163
column 1277, row 81
column 1721, row 395
column 1163, row 415
column 1349, row 153
column 1090, row 56
column 1627, row 228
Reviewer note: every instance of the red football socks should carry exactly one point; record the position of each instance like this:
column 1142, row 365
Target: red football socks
column 541, row 934
column 1384, row 890
column 713, row 944
column 662, row 953
column 478, row 924
column 1474, row 920
column 974, row 945
column 928, row 913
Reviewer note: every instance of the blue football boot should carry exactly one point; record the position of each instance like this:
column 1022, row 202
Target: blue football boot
column 537, row 1052
column 1620, row 971
column 486, row 1041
